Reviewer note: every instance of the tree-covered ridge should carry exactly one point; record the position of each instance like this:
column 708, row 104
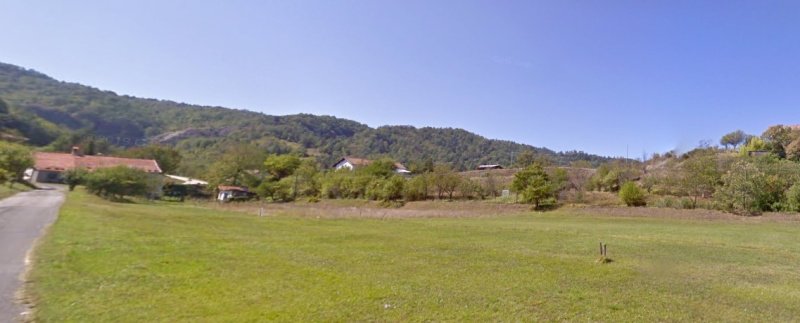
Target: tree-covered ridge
column 59, row 114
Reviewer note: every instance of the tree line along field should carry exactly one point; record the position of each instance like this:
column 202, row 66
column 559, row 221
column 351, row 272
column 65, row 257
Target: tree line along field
column 179, row 262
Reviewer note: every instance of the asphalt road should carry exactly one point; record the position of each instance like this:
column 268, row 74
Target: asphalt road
column 23, row 218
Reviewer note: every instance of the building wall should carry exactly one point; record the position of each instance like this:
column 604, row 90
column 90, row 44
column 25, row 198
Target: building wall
column 45, row 176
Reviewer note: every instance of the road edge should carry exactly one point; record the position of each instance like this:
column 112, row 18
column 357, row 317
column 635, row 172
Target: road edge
column 23, row 296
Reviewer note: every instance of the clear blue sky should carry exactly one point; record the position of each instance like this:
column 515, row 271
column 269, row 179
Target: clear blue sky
column 588, row 75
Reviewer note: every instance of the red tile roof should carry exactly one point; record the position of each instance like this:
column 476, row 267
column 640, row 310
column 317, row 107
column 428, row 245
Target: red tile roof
column 61, row 162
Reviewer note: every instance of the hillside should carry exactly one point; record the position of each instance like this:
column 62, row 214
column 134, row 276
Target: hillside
column 57, row 114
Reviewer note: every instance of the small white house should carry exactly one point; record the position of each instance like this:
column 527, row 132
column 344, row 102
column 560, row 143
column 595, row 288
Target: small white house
column 352, row 163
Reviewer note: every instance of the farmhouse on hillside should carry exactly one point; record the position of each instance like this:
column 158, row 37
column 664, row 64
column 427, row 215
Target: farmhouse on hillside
column 48, row 167
column 352, row 163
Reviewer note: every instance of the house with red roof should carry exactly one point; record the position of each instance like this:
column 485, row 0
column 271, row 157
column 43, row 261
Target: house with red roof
column 48, row 167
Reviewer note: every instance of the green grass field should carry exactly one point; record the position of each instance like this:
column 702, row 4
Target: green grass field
column 173, row 262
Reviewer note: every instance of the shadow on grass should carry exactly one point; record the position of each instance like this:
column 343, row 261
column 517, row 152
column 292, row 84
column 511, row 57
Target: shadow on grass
column 119, row 199
column 546, row 207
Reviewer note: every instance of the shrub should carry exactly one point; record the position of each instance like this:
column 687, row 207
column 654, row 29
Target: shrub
column 756, row 185
column 334, row 184
column 393, row 188
column 117, row 182
column 533, row 185
column 470, row 189
column 632, row 195
column 74, row 177
column 283, row 190
column 14, row 160
column 793, row 198
column 416, row 189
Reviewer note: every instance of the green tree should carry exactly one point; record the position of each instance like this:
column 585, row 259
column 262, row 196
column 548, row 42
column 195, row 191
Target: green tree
column 117, row 182
column 560, row 179
column 382, row 168
column 778, row 138
column 490, row 185
column 416, row 189
column 793, row 198
column 277, row 191
column 238, row 166
column 15, row 159
column 699, row 177
column 168, row 158
column 533, row 185
column 445, row 180
column 733, row 139
column 74, row 177
column 281, row 166
column 753, row 144
column 336, row 184
column 307, row 179
column 470, row 189
column 793, row 150
column 392, row 189
column 610, row 176
column 743, row 188
column 632, row 195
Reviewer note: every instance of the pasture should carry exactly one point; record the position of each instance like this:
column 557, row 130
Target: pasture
column 178, row 262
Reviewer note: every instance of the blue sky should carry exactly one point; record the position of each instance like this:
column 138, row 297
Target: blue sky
column 597, row 76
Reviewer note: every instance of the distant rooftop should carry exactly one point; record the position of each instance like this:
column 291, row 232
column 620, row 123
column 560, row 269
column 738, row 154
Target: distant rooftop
column 60, row 162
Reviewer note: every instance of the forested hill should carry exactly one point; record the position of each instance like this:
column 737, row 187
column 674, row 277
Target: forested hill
column 56, row 115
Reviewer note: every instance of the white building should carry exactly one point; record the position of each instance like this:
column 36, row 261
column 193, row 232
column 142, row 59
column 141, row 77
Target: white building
column 352, row 163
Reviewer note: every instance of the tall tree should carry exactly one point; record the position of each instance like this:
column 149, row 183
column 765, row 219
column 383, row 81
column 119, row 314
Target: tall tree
column 15, row 159
column 742, row 188
column 445, row 180
column 699, row 176
column 733, row 139
column 239, row 165
column 778, row 138
column 533, row 185
column 280, row 166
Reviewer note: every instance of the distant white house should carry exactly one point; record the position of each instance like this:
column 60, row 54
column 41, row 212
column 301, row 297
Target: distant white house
column 352, row 163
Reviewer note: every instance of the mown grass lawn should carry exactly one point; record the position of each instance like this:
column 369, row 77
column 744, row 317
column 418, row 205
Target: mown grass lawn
column 173, row 262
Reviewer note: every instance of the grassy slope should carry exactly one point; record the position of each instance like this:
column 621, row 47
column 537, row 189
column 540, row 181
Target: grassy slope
column 129, row 262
